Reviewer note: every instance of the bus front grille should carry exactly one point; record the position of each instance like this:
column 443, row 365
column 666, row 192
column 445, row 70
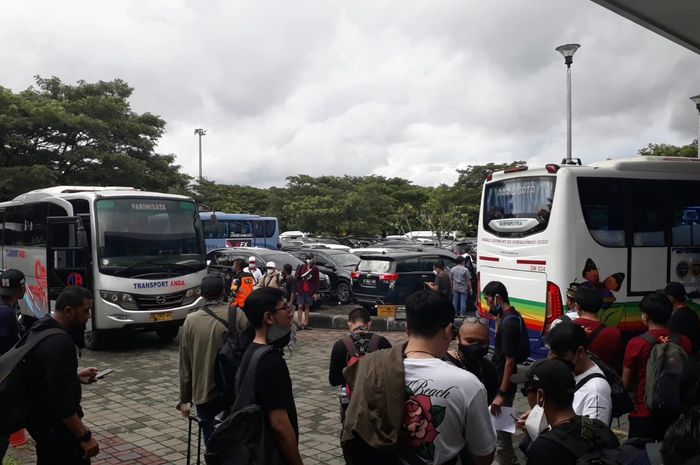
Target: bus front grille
column 160, row 301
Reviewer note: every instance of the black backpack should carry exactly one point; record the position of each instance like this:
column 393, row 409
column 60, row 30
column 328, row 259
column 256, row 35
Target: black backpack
column 524, row 340
column 585, row 448
column 244, row 437
column 228, row 358
column 14, row 397
column 622, row 403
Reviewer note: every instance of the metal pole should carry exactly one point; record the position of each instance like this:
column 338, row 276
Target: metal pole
column 568, row 113
column 200, row 157
column 698, row 141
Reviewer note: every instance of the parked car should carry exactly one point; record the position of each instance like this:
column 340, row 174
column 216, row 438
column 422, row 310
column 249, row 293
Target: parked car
column 221, row 261
column 338, row 265
column 388, row 278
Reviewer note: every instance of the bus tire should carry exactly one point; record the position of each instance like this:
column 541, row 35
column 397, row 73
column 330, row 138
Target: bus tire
column 167, row 333
column 93, row 339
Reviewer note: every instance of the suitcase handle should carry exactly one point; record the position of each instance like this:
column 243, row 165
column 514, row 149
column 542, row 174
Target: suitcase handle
column 198, row 420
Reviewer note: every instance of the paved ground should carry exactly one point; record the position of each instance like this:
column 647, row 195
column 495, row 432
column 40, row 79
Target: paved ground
column 132, row 411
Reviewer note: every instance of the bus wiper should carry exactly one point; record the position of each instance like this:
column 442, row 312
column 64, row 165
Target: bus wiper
column 165, row 265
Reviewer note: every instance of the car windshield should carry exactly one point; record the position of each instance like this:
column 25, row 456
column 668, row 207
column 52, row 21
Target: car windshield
column 137, row 235
column 374, row 266
column 345, row 260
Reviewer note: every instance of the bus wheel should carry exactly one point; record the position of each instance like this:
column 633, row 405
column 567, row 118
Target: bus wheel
column 93, row 339
column 167, row 333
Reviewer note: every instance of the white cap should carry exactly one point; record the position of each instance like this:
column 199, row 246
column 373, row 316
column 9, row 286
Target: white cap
column 251, row 259
column 270, row 265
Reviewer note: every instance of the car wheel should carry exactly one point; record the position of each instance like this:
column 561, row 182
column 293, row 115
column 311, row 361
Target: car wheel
column 167, row 333
column 343, row 292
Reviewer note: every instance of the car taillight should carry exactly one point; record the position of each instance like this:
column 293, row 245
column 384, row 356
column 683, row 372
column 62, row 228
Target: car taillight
column 389, row 277
column 555, row 305
column 355, row 275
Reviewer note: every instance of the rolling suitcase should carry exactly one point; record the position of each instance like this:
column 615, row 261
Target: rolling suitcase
column 191, row 419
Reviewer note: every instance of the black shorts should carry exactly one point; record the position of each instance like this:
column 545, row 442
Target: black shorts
column 58, row 446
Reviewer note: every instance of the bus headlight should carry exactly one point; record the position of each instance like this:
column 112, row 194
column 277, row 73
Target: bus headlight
column 123, row 299
column 191, row 295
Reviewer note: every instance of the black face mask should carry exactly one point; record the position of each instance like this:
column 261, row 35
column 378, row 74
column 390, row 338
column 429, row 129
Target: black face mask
column 496, row 310
column 279, row 336
column 473, row 352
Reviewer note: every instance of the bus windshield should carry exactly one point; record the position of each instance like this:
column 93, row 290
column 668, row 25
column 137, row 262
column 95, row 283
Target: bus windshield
column 519, row 206
column 139, row 235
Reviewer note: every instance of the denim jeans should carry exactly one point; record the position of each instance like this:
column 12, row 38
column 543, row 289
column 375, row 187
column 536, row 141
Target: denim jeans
column 459, row 300
column 207, row 413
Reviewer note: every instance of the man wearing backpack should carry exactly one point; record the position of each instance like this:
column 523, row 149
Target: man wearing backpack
column 201, row 338
column 11, row 292
column 349, row 349
column 645, row 355
column 605, row 342
column 270, row 315
column 683, row 319
column 53, row 383
column 511, row 347
column 272, row 277
column 567, row 341
column 563, row 437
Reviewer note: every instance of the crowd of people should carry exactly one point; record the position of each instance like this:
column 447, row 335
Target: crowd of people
column 426, row 401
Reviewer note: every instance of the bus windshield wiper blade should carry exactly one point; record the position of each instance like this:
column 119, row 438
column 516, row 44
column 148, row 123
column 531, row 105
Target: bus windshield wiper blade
column 165, row 265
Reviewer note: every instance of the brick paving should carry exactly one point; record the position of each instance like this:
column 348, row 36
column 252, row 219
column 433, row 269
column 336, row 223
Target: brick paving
column 133, row 415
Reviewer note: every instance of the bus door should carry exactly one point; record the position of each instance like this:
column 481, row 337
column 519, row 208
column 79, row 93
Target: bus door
column 67, row 255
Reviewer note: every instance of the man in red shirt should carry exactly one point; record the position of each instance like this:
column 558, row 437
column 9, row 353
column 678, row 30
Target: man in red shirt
column 656, row 310
column 605, row 342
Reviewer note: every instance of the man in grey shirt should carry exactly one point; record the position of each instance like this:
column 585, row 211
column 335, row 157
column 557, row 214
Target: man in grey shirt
column 442, row 283
column 461, row 286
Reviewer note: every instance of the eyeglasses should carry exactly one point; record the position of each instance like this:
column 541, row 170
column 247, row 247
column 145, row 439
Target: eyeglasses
column 477, row 319
column 283, row 307
column 525, row 391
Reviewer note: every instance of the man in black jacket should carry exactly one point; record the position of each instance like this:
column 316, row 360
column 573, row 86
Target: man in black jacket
column 54, row 384
column 683, row 320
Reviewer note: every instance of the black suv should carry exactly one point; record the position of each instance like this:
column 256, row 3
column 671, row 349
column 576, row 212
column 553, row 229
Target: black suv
column 338, row 265
column 221, row 261
column 388, row 278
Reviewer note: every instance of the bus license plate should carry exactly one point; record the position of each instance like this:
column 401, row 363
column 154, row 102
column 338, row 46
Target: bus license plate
column 163, row 316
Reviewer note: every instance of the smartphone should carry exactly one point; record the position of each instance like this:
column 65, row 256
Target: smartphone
column 103, row 373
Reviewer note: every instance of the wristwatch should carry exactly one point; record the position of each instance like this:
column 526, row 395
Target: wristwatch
column 85, row 437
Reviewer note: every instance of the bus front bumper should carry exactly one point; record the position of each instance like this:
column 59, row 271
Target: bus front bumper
column 111, row 316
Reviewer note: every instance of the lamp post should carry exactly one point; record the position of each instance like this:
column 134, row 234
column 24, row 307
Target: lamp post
column 568, row 51
column 200, row 132
column 696, row 100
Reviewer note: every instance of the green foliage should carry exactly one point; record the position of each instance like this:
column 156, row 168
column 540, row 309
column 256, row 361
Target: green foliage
column 667, row 150
column 86, row 133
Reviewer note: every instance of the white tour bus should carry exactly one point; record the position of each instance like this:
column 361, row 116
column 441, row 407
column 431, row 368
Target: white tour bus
column 142, row 254
column 625, row 227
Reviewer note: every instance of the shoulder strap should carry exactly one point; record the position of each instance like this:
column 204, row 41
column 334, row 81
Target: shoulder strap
column 247, row 381
column 215, row 316
column 349, row 345
column 29, row 341
column 580, row 384
column 651, row 340
column 374, row 342
column 575, row 446
column 596, row 332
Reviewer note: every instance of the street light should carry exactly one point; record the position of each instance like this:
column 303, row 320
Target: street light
column 696, row 100
column 200, row 132
column 568, row 51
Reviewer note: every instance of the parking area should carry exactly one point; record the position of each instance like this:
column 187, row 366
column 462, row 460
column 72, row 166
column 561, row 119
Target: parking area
column 132, row 411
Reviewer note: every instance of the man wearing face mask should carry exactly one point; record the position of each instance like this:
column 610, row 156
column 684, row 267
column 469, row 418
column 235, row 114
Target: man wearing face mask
column 509, row 331
column 272, row 277
column 253, row 269
column 471, row 354
column 308, row 284
column 53, row 383
column 553, row 426
column 271, row 316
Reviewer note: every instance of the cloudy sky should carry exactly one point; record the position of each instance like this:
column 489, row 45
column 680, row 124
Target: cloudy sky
column 410, row 88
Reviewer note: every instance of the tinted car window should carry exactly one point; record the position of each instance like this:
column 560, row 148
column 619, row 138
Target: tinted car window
column 374, row 266
column 345, row 259
column 408, row 265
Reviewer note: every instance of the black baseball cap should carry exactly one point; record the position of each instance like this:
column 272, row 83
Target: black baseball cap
column 548, row 375
column 675, row 290
column 212, row 284
column 11, row 281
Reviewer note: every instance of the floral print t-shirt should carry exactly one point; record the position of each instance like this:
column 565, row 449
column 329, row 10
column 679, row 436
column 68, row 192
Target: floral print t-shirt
column 445, row 411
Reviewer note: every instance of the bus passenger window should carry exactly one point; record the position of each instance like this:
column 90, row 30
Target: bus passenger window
column 603, row 206
column 685, row 211
column 648, row 205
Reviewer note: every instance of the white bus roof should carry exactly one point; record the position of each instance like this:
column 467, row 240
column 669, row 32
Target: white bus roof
column 70, row 191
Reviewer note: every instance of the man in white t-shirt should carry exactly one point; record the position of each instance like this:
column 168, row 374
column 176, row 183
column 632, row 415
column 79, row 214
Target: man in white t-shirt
column 568, row 341
column 446, row 413
column 253, row 269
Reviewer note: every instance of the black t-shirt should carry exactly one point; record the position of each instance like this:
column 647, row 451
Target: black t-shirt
column 9, row 329
column 290, row 285
column 546, row 452
column 686, row 322
column 507, row 343
column 484, row 370
column 273, row 385
column 339, row 359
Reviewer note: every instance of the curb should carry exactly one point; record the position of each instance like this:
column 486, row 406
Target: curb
column 321, row 321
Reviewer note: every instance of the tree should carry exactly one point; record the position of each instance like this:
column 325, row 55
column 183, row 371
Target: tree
column 57, row 133
column 667, row 150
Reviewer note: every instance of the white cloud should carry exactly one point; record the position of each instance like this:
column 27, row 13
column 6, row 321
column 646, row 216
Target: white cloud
column 398, row 88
